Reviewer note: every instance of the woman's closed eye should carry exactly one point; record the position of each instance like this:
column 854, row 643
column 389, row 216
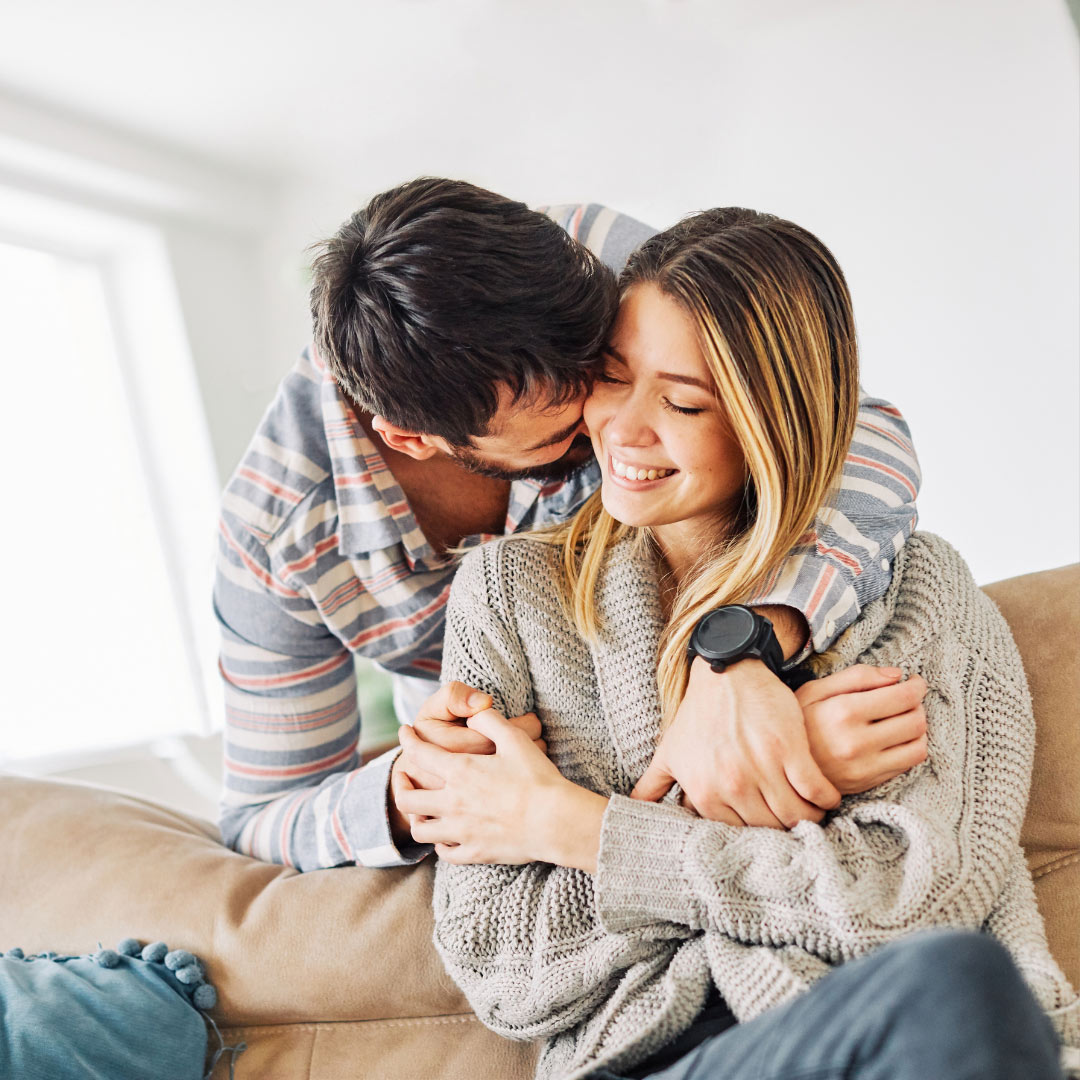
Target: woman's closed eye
column 682, row 409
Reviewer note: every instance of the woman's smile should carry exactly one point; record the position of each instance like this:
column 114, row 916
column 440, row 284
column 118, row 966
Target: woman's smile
column 636, row 477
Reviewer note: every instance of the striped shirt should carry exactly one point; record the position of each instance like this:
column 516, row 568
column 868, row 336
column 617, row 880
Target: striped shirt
column 320, row 560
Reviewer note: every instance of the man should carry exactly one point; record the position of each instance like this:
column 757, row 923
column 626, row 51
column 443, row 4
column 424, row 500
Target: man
column 455, row 337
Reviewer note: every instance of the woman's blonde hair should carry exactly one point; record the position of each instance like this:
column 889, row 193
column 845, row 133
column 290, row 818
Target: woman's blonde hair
column 774, row 319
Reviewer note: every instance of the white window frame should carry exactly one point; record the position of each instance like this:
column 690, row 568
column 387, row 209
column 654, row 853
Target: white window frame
column 168, row 420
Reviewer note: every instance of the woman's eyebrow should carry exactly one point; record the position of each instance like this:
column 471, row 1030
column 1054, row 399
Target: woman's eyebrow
column 689, row 380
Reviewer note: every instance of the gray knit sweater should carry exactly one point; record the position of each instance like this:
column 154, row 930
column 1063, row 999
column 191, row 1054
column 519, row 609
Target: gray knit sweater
column 608, row 968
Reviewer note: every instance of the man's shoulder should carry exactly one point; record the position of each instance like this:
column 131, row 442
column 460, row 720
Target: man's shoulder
column 286, row 468
column 610, row 235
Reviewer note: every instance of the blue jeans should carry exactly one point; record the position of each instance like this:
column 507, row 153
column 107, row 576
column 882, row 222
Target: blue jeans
column 939, row 1005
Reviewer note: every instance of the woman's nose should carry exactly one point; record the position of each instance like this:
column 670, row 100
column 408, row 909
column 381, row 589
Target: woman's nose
column 629, row 426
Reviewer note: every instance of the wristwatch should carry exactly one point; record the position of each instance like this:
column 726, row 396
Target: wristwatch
column 733, row 633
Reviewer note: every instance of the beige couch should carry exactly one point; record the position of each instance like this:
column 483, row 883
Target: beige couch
column 331, row 975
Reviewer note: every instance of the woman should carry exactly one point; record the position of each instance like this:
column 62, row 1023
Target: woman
column 627, row 933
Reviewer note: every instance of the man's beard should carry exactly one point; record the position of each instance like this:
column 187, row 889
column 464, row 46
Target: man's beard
column 579, row 453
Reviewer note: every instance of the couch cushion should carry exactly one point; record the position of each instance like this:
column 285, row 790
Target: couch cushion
column 426, row 1048
column 1043, row 612
column 82, row 864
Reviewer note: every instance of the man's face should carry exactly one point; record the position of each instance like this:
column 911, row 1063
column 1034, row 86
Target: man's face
column 528, row 440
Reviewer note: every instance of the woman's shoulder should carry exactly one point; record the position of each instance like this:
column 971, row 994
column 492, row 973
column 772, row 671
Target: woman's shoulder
column 506, row 569
column 932, row 581
column 930, row 571
column 936, row 586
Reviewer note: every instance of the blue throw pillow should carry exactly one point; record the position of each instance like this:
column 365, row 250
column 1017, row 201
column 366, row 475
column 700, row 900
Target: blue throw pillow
column 124, row 1014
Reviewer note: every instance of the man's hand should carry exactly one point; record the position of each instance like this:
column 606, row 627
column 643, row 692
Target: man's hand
column 739, row 749
column 441, row 722
column 864, row 725
column 511, row 806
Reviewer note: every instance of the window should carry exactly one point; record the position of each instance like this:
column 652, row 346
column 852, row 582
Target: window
column 110, row 498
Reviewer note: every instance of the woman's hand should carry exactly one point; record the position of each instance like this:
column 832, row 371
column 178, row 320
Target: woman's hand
column 441, row 720
column 864, row 725
column 512, row 806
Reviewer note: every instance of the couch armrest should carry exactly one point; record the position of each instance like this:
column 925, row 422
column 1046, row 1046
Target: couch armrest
column 81, row 865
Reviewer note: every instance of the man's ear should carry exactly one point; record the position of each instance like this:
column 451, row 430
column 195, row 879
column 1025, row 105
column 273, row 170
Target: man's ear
column 405, row 442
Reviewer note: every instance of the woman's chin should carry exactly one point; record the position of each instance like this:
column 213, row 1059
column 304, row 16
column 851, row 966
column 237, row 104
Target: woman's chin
column 621, row 507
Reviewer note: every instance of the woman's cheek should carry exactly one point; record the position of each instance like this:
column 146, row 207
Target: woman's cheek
column 595, row 413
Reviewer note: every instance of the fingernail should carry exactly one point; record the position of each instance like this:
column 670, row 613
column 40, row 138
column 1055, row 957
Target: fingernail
column 477, row 700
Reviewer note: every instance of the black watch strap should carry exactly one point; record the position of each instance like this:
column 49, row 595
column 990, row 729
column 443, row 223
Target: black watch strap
column 768, row 647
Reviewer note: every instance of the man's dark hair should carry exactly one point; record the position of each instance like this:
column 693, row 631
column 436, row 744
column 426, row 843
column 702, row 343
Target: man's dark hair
column 437, row 291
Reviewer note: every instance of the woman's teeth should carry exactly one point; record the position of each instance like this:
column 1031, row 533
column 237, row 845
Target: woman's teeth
column 628, row 472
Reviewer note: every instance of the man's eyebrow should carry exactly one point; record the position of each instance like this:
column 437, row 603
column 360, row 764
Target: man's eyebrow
column 558, row 437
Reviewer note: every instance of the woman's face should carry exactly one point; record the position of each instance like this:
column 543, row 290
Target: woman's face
column 657, row 429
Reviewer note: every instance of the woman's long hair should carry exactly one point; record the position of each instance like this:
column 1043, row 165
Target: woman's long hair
column 773, row 315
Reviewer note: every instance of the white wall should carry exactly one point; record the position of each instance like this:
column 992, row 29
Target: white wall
column 933, row 146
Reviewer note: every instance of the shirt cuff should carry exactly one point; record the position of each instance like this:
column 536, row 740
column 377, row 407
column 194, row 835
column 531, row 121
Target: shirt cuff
column 367, row 818
column 817, row 589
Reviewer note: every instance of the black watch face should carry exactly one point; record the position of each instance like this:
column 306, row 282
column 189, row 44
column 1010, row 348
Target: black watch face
column 727, row 631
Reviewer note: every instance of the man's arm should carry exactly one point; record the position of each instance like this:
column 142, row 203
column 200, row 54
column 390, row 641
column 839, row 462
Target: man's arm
column 846, row 562
column 295, row 792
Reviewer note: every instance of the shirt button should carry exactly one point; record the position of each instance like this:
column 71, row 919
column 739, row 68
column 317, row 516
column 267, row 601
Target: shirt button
column 830, row 628
column 885, row 564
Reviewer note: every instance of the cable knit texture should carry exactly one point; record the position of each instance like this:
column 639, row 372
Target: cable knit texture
column 608, row 968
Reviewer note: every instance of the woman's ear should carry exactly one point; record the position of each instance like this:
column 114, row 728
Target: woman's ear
column 403, row 441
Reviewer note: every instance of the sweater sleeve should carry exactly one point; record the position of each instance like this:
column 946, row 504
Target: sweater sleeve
column 522, row 942
column 930, row 848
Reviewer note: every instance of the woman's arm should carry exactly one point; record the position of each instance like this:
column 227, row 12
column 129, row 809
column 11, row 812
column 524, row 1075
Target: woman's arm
column 931, row 848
